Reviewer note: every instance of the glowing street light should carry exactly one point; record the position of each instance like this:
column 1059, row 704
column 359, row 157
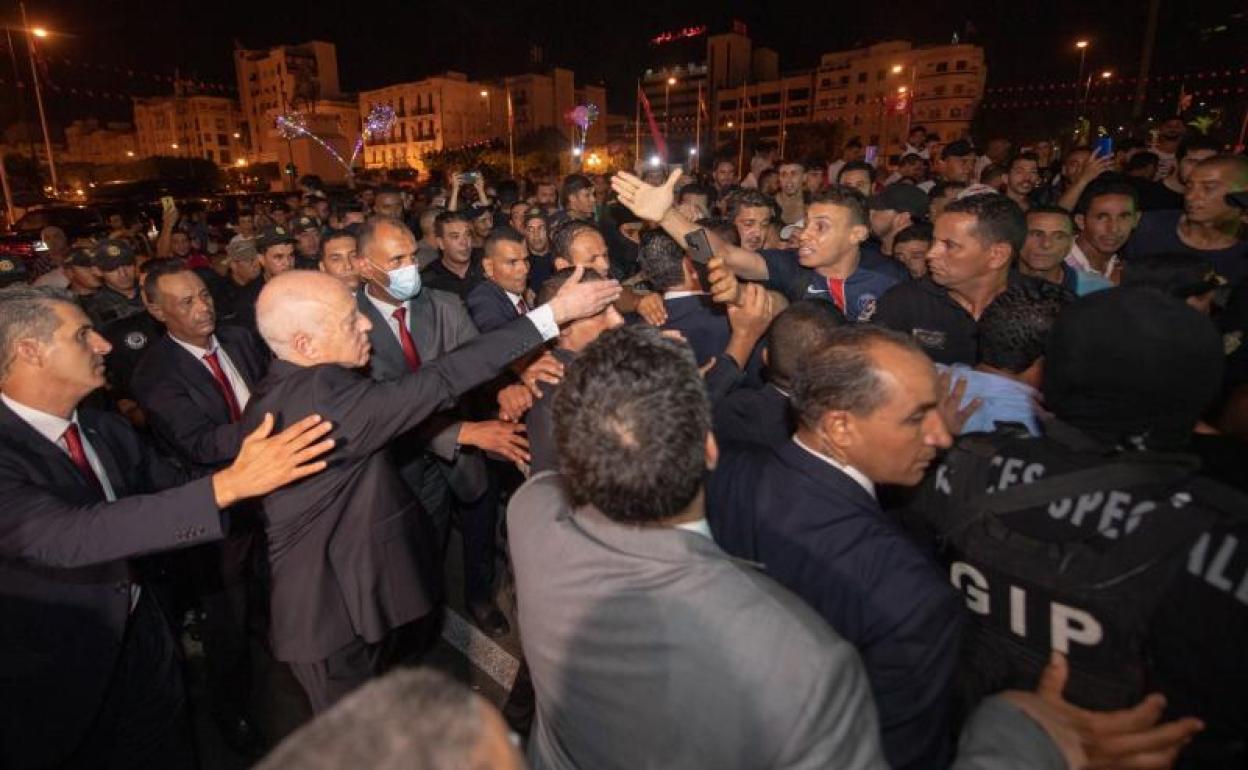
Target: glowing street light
column 129, row 153
column 576, row 152
column 484, row 93
column 671, row 81
column 693, row 150
column 730, row 124
column 1081, row 44
column 1106, row 75
column 174, row 146
column 654, row 161
column 39, row 32
column 237, row 135
column 897, row 69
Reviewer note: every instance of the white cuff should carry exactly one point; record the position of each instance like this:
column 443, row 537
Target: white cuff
column 544, row 319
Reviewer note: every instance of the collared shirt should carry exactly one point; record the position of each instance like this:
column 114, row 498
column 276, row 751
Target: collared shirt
column 699, row 526
column 867, row 485
column 515, row 299
column 542, row 317
column 386, row 310
column 242, row 393
column 681, row 293
column 1001, row 400
column 1079, row 261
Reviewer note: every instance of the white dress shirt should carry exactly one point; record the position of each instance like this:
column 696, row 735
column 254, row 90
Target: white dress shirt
column 701, row 526
column 848, row 470
column 242, row 393
column 681, row 293
column 1078, row 260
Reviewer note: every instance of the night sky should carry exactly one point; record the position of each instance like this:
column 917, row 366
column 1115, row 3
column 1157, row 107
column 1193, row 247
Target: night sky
column 386, row 41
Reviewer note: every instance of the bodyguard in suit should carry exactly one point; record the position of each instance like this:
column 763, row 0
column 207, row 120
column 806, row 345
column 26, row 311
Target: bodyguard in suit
column 348, row 552
column 867, row 407
column 441, row 459
column 88, row 663
column 193, row 386
column 504, row 294
column 762, row 415
column 648, row 645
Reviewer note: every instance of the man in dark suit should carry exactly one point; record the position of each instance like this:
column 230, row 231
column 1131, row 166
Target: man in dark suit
column 868, row 413
column 504, row 294
column 89, row 665
column 648, row 645
column 762, row 415
column 348, row 552
column 442, row 458
column 192, row 386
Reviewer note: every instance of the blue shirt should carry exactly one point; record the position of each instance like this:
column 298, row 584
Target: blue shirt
column 1081, row 282
column 1003, row 400
column 855, row 296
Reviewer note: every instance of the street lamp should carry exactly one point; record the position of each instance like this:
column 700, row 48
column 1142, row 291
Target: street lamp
column 897, row 69
column 489, row 116
column 174, row 145
column 39, row 32
column 32, row 33
column 1106, row 75
column 667, row 101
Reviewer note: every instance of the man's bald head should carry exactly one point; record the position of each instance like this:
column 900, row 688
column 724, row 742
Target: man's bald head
column 379, row 227
column 309, row 317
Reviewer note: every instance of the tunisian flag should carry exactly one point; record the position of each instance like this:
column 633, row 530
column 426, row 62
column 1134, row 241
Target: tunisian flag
column 659, row 144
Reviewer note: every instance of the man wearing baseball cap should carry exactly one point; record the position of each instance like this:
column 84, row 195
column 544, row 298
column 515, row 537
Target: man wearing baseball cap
column 892, row 210
column 275, row 247
column 307, row 234
column 83, row 282
column 119, row 297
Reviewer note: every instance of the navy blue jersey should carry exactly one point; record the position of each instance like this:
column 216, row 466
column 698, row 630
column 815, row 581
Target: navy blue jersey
column 855, row 296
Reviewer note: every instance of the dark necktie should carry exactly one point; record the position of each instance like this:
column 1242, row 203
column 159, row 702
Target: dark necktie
column 73, row 442
column 223, row 385
column 522, row 307
column 405, row 338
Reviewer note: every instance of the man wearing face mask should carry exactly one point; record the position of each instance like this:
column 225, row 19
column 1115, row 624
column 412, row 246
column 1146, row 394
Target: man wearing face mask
column 867, row 404
column 441, row 459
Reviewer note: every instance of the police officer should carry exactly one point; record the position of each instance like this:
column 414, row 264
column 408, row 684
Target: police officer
column 275, row 247
column 83, row 282
column 119, row 295
column 307, row 234
column 1103, row 539
column 130, row 337
column 12, row 271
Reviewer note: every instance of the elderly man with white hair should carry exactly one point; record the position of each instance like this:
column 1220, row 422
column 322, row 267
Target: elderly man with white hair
column 353, row 566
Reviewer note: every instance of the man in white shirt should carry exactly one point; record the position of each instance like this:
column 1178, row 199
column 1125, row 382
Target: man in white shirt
column 1107, row 213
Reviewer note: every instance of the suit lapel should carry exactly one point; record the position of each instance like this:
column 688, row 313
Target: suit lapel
column 28, row 440
column 423, row 324
column 107, row 453
column 244, row 357
column 386, row 360
column 199, row 382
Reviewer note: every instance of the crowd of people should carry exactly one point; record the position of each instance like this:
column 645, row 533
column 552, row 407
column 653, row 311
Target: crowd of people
column 926, row 463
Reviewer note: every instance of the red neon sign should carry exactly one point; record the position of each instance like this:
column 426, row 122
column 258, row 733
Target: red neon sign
column 679, row 34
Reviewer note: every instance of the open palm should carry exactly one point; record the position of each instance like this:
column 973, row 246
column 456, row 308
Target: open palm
column 645, row 200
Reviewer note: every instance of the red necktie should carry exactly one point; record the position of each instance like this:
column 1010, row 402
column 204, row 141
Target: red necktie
column 522, row 307
column 73, row 442
column 405, row 338
column 223, row 385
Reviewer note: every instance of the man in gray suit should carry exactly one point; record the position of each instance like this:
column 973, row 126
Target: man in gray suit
column 648, row 645
column 412, row 326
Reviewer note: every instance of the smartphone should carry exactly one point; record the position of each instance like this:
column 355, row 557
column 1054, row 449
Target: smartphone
column 166, row 203
column 1105, row 147
column 872, row 152
column 470, row 176
column 700, row 252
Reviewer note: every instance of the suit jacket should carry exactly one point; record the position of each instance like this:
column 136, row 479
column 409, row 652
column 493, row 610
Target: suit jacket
column 64, row 580
column 490, row 306
column 348, row 554
column 184, row 409
column 539, row 421
column 824, row 537
column 650, row 647
column 754, row 416
column 702, row 323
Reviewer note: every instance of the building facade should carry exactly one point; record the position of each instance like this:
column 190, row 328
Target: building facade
column 87, row 141
column 190, row 126
column 283, row 79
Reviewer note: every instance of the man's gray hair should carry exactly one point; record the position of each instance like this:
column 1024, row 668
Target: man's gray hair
column 27, row 312
column 410, row 719
column 842, row 375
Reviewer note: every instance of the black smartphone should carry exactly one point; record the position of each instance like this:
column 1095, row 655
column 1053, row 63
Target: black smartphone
column 700, row 251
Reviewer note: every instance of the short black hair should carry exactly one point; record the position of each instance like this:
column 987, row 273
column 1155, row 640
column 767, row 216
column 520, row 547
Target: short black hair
column 573, row 184
column 551, row 286
column 1056, row 210
column 725, row 229
column 504, row 234
column 997, row 219
column 853, row 141
column 1104, row 185
column 920, row 231
column 1140, row 160
column 1014, row 328
column 841, row 375
column 916, row 128
column 631, row 419
column 846, row 199
column 697, row 189
column 562, row 237
column 1196, row 142
column 334, row 235
column 441, row 220
column 791, row 162
column 1030, row 156
column 857, row 165
column 662, row 260
column 746, row 198
column 798, row 331
column 159, row 268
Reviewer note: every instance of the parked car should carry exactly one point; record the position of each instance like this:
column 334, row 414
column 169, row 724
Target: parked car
column 23, row 241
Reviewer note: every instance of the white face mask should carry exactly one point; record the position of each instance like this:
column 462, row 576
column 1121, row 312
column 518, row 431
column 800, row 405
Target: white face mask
column 404, row 282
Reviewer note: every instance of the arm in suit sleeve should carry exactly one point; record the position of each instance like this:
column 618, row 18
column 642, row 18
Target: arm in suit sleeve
column 487, row 311
column 182, row 425
column 459, row 326
column 39, row 527
column 368, row 414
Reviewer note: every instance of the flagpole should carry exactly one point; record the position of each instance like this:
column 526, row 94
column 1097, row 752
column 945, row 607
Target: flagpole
column 741, row 134
column 697, row 141
column 637, row 130
column 43, row 119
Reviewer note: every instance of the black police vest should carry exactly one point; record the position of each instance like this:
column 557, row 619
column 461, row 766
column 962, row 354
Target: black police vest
column 1076, row 562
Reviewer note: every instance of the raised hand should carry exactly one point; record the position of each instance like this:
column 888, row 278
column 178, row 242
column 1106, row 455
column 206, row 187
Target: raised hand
column 505, row 439
column 266, row 462
column 644, row 200
column 724, row 287
column 652, row 309
column 577, row 299
column 951, row 408
column 513, row 402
